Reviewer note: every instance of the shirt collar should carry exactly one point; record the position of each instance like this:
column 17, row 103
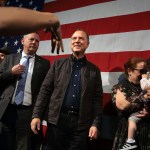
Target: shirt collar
column 25, row 55
column 82, row 60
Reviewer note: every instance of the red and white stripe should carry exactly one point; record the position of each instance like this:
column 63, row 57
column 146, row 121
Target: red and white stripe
column 118, row 29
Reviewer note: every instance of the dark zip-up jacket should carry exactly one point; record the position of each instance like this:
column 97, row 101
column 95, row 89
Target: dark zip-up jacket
column 54, row 87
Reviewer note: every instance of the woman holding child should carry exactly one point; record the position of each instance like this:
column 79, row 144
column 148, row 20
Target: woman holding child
column 131, row 103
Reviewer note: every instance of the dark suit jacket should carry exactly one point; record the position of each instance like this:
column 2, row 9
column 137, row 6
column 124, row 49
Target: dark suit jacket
column 8, row 80
column 54, row 87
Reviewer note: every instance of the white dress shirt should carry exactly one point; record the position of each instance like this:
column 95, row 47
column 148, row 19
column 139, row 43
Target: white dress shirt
column 27, row 100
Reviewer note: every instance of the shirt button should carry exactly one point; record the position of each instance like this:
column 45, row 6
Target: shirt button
column 74, row 85
column 75, row 75
column 73, row 95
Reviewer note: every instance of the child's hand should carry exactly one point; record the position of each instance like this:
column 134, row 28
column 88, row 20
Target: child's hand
column 147, row 87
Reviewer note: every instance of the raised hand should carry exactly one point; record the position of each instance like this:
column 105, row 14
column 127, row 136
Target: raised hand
column 56, row 36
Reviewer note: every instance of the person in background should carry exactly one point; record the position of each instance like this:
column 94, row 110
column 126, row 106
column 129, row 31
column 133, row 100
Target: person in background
column 21, row 75
column 129, row 99
column 3, row 52
column 73, row 91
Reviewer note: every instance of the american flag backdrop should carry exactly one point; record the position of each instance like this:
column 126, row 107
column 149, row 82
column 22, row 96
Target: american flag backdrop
column 118, row 29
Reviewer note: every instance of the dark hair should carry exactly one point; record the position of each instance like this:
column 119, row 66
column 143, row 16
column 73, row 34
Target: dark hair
column 132, row 62
column 5, row 50
column 87, row 35
column 148, row 64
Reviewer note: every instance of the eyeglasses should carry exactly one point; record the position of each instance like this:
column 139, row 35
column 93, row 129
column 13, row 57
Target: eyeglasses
column 142, row 71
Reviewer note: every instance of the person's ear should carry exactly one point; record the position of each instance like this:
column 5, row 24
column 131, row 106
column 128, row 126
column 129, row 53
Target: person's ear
column 22, row 41
column 129, row 71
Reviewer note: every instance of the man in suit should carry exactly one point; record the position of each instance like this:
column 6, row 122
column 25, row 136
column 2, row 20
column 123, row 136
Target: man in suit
column 73, row 91
column 15, row 118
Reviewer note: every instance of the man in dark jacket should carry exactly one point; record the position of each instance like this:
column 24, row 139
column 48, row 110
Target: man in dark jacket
column 73, row 91
column 15, row 118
